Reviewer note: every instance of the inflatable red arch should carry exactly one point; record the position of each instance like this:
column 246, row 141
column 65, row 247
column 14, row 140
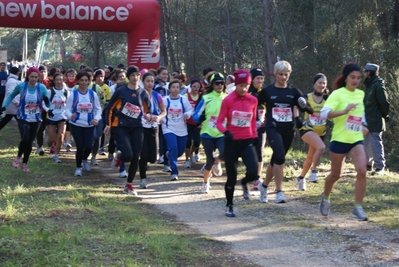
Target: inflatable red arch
column 138, row 18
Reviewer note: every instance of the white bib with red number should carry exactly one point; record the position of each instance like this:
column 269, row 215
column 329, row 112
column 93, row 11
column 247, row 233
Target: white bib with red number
column 131, row 110
column 316, row 120
column 354, row 124
column 282, row 114
column 241, row 118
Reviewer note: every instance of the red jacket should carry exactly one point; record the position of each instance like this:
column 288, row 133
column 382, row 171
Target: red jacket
column 240, row 112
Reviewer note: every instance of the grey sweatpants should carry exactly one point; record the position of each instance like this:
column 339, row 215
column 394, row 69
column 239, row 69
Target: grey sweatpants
column 375, row 150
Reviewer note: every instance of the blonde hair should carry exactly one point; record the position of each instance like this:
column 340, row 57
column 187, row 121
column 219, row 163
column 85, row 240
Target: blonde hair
column 282, row 65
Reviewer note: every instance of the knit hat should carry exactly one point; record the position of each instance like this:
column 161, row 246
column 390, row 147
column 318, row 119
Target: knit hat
column 256, row 72
column 242, row 76
column 371, row 67
column 143, row 71
column 216, row 77
column 131, row 70
column 32, row 69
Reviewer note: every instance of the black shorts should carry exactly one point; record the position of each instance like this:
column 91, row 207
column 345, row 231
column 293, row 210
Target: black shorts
column 303, row 132
column 50, row 122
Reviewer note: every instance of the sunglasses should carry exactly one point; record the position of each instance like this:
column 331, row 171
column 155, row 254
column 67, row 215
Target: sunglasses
column 218, row 83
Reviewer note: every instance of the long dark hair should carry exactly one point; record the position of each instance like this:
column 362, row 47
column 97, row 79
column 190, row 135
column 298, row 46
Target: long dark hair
column 346, row 70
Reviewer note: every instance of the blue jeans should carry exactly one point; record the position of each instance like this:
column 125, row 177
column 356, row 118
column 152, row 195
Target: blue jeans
column 176, row 146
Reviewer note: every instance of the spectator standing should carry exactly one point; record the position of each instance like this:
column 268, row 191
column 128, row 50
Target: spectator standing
column 376, row 108
column 3, row 80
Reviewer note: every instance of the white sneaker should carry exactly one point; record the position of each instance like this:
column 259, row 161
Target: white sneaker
column 93, row 161
column 187, row 164
column 196, row 157
column 40, row 151
column 166, row 168
column 174, row 177
column 301, row 183
column 263, row 193
column 280, row 198
column 56, row 158
column 192, row 160
column 313, row 177
column 160, row 160
column 217, row 169
column 143, row 183
column 202, row 168
column 123, row 174
column 359, row 214
column 86, row 165
column 78, row 172
column 205, row 188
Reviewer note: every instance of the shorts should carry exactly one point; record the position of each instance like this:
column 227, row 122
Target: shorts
column 343, row 148
column 303, row 132
column 50, row 122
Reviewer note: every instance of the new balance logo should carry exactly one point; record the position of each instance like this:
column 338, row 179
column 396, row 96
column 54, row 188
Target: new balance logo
column 146, row 52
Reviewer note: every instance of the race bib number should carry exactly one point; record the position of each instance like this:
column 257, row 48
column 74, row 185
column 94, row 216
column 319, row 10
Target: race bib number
column 58, row 104
column 241, row 119
column 212, row 121
column 316, row 120
column 131, row 110
column 354, row 124
column 261, row 115
column 174, row 113
column 32, row 109
column 282, row 114
column 84, row 108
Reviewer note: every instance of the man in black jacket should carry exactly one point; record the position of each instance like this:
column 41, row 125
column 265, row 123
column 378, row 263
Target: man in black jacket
column 376, row 108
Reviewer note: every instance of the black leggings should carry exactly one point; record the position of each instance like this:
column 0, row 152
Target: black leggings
column 83, row 137
column 260, row 144
column 232, row 151
column 129, row 141
column 40, row 132
column 280, row 144
column 210, row 145
column 149, row 150
column 28, row 131
column 193, row 136
column 4, row 121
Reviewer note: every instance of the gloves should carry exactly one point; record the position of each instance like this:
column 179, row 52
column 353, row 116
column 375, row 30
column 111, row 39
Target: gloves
column 302, row 102
column 298, row 123
column 2, row 109
column 50, row 113
column 228, row 136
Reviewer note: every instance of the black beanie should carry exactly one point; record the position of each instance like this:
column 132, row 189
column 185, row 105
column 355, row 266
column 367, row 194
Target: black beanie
column 256, row 72
column 131, row 70
column 216, row 77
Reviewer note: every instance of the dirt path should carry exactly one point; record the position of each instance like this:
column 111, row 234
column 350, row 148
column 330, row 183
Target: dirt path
column 268, row 234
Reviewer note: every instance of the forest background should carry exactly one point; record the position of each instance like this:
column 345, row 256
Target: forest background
column 313, row 35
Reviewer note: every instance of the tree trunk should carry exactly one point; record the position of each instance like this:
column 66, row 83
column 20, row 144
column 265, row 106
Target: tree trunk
column 96, row 49
column 270, row 55
column 62, row 52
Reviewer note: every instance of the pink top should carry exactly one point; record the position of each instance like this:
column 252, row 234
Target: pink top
column 240, row 112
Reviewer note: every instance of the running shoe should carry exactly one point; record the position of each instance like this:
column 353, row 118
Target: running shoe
column 359, row 214
column 56, row 158
column 110, row 156
column 116, row 161
column 192, row 160
column 324, row 206
column 68, row 147
column 25, row 167
column 205, row 188
column 52, row 150
column 313, row 177
column 93, row 161
column 245, row 192
column 197, row 157
column 161, row 160
column 229, row 211
column 143, row 183
column 187, row 164
column 86, row 165
column 203, row 168
column 123, row 174
column 174, row 177
column 78, row 172
column 102, row 151
column 256, row 184
column 129, row 190
column 378, row 172
column 166, row 168
column 263, row 193
column 280, row 198
column 301, row 183
column 40, row 151
column 217, row 169
column 16, row 162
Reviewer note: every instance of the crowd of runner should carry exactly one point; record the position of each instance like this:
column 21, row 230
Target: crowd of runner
column 144, row 116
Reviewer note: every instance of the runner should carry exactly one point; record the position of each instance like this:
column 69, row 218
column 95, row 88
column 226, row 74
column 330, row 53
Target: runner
column 124, row 113
column 32, row 94
column 239, row 109
column 84, row 111
column 174, row 128
column 206, row 113
column 11, row 110
column 345, row 106
column 71, row 83
column 280, row 99
column 150, row 128
column 313, row 130
column 56, row 121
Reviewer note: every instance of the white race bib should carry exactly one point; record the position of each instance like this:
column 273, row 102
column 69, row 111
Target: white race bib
column 241, row 118
column 84, row 108
column 282, row 114
column 58, row 104
column 316, row 120
column 212, row 121
column 32, row 109
column 131, row 110
column 175, row 113
column 354, row 124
